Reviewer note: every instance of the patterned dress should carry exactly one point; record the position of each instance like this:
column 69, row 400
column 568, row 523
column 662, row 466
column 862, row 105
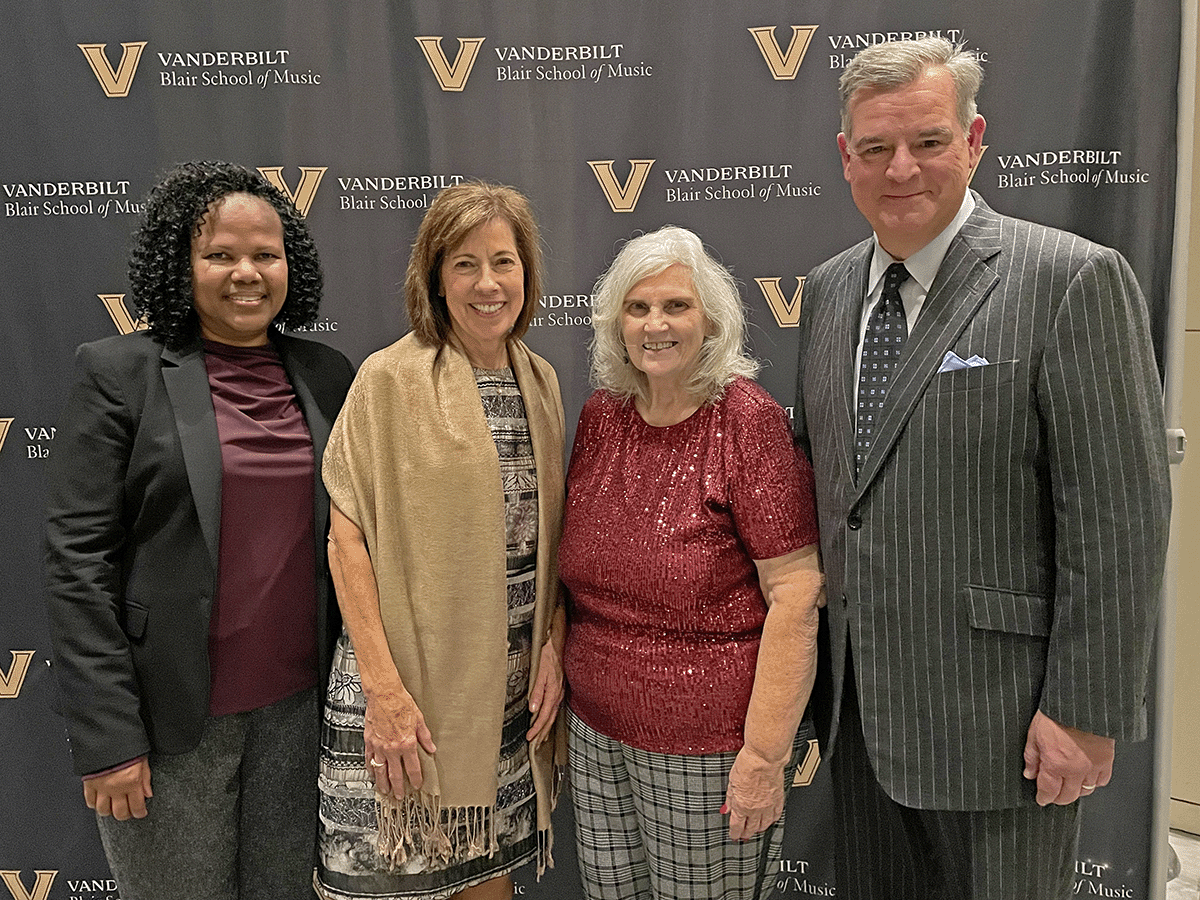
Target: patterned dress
column 348, row 864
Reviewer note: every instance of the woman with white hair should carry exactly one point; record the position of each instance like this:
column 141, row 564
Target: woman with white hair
column 689, row 551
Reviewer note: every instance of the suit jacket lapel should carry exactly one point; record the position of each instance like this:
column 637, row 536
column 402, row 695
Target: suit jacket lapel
column 845, row 344
column 963, row 281
column 186, row 380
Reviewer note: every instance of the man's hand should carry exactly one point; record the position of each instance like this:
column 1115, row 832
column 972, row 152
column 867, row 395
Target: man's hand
column 1065, row 762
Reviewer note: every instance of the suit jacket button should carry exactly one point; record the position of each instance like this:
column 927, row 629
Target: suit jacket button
column 854, row 521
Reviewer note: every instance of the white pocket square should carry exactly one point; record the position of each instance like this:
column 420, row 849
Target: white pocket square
column 952, row 362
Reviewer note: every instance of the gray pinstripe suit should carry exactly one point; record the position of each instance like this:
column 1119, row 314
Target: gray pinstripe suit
column 1002, row 549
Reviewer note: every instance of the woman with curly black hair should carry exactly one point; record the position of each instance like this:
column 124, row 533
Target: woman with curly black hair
column 187, row 582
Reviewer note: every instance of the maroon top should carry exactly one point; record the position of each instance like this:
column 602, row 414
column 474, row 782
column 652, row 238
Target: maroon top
column 659, row 536
column 262, row 641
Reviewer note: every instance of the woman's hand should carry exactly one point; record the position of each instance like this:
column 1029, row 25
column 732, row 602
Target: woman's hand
column 547, row 694
column 393, row 729
column 121, row 794
column 754, row 798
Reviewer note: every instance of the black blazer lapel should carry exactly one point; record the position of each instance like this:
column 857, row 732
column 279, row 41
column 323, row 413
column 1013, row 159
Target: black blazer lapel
column 964, row 280
column 320, row 378
column 186, row 380
column 303, row 380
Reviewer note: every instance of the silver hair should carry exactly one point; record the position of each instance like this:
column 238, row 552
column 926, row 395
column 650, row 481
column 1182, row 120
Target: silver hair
column 895, row 64
column 723, row 352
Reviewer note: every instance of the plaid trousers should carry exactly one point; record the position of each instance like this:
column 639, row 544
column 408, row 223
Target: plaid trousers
column 648, row 825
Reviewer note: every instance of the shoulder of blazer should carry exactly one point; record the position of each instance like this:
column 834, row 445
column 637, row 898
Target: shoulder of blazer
column 831, row 281
column 985, row 228
column 324, row 370
column 312, row 352
column 836, row 266
column 123, row 351
column 134, row 361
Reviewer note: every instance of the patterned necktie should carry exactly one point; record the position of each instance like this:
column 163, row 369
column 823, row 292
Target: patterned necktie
column 882, row 343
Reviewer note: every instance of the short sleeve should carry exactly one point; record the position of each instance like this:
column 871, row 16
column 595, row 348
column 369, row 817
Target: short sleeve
column 771, row 482
column 586, row 436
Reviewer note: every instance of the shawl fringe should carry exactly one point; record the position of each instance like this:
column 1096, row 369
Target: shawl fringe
column 419, row 824
column 545, row 855
column 545, row 859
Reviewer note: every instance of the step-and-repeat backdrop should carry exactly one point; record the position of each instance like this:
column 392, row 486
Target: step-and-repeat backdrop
column 614, row 118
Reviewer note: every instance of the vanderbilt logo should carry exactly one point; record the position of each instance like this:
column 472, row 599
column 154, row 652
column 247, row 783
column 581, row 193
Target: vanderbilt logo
column 306, row 190
column 622, row 197
column 451, row 77
column 43, row 878
column 807, row 770
column 5, row 424
column 115, row 304
column 10, row 681
column 115, row 82
column 784, row 64
column 982, row 150
column 786, row 311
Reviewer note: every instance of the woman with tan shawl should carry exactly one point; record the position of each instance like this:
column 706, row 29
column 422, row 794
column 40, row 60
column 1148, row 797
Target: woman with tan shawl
column 439, row 746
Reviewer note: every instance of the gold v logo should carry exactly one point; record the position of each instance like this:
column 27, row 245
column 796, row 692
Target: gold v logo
column 10, row 681
column 622, row 197
column 115, row 304
column 5, row 424
column 306, row 190
column 786, row 312
column 975, row 169
column 784, row 66
column 807, row 770
column 114, row 82
column 41, row 886
column 451, row 77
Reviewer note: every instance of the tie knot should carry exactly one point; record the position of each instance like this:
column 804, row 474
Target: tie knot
column 896, row 274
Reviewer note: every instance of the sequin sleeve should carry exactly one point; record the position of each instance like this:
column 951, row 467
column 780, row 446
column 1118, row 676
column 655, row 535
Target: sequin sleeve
column 771, row 482
column 586, row 438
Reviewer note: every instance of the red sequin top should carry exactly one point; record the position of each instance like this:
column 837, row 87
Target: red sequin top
column 659, row 536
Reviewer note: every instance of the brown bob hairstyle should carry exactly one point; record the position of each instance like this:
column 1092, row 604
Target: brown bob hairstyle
column 452, row 215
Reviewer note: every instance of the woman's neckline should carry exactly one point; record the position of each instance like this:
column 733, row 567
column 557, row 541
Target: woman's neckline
column 671, row 424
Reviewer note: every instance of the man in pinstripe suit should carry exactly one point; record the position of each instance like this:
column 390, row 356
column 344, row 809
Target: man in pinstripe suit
column 994, row 554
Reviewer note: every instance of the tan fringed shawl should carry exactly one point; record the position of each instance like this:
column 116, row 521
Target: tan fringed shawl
column 411, row 461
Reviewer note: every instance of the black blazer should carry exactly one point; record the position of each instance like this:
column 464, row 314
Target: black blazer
column 133, row 525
